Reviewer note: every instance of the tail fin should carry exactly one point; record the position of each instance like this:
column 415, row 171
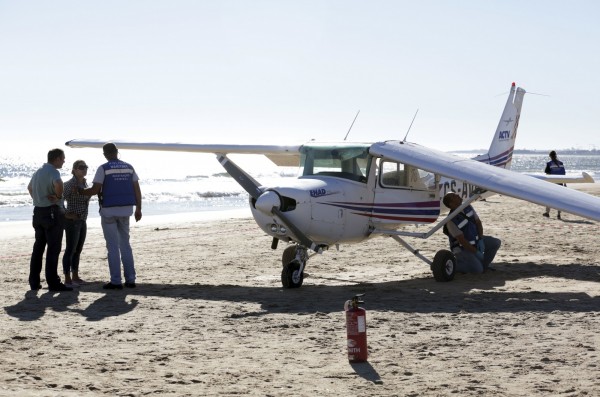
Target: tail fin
column 503, row 144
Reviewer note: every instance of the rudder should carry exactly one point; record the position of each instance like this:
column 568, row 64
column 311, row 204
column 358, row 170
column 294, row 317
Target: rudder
column 503, row 144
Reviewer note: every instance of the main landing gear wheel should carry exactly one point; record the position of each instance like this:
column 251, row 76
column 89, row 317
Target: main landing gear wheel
column 291, row 276
column 444, row 266
column 289, row 254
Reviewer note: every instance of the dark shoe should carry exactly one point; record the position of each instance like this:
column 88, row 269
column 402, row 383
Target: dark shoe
column 60, row 287
column 36, row 287
column 112, row 286
column 130, row 285
column 547, row 215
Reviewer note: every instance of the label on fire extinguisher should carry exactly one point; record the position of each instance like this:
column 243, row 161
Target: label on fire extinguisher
column 362, row 325
column 352, row 326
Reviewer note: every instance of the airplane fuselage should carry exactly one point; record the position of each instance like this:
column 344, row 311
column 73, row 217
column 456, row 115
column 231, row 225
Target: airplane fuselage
column 345, row 193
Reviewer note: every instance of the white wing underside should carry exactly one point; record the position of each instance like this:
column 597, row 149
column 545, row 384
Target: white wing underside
column 284, row 156
column 488, row 177
column 491, row 178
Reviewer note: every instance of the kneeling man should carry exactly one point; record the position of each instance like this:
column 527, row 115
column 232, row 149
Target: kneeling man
column 474, row 252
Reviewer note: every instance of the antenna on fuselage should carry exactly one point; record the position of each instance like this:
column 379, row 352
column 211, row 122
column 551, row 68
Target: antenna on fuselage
column 351, row 124
column 409, row 127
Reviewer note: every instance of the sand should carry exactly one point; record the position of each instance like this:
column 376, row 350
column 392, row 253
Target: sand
column 209, row 316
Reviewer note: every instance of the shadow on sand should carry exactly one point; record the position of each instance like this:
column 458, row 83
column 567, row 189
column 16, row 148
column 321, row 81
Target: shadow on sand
column 470, row 293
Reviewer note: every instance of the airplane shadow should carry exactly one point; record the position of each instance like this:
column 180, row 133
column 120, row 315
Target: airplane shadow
column 484, row 293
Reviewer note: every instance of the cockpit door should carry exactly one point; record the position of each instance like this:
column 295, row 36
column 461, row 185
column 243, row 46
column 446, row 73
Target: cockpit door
column 404, row 194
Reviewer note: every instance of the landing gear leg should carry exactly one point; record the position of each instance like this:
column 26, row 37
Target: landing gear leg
column 443, row 265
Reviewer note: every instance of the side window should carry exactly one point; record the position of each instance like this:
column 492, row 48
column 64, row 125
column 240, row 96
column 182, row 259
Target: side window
column 398, row 175
column 392, row 174
column 421, row 179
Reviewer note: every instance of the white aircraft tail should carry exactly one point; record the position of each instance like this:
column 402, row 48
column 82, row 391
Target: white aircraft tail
column 503, row 144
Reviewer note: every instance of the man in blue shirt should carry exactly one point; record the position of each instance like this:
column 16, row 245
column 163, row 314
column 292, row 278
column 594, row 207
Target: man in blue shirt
column 473, row 250
column 119, row 189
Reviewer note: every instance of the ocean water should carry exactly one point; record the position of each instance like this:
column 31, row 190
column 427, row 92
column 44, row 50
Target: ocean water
column 170, row 182
column 186, row 182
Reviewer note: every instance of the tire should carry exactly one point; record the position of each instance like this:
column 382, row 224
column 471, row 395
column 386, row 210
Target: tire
column 444, row 266
column 290, row 275
column 289, row 254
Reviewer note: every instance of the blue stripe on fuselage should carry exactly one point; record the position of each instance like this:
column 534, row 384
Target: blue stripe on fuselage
column 418, row 208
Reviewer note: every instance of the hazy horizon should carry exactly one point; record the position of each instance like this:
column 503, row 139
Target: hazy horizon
column 277, row 71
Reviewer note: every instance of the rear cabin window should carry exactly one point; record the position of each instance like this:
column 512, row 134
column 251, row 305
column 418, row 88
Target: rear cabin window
column 398, row 175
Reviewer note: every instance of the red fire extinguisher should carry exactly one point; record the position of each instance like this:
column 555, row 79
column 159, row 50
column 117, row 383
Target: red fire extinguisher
column 356, row 330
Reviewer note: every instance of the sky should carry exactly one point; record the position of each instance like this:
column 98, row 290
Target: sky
column 277, row 71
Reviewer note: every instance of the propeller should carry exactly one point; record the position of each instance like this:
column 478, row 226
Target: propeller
column 266, row 201
column 246, row 181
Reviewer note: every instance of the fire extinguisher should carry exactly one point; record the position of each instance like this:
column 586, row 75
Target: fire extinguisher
column 356, row 330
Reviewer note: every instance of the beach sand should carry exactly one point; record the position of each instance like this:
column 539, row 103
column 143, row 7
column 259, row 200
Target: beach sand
column 209, row 315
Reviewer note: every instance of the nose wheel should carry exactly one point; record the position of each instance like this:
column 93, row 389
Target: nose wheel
column 289, row 254
column 292, row 275
column 294, row 260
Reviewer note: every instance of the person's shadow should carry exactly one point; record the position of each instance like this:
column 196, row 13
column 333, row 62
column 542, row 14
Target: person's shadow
column 33, row 307
column 109, row 305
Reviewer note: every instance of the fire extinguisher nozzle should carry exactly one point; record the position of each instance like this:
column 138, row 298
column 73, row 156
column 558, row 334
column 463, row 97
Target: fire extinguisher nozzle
column 358, row 298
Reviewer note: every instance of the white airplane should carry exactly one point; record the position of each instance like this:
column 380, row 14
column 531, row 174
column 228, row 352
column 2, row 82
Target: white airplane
column 350, row 192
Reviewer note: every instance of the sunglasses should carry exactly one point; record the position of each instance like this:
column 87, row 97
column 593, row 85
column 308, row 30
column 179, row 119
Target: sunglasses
column 82, row 167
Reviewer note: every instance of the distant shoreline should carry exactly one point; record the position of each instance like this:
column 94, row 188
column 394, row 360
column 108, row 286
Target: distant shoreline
column 21, row 228
column 588, row 152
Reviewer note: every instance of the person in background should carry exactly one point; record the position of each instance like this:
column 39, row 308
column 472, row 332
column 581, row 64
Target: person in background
column 554, row 167
column 46, row 190
column 76, row 213
column 474, row 252
column 118, row 184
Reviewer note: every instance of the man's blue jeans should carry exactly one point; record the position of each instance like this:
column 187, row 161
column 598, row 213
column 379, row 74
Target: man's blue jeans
column 116, row 234
column 467, row 262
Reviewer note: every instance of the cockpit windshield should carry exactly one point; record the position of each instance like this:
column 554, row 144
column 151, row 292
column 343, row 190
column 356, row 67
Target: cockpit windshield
column 348, row 162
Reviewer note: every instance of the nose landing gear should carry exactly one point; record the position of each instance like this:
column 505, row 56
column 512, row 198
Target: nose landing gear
column 294, row 260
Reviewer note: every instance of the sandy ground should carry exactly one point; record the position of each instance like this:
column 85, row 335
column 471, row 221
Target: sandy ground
column 209, row 316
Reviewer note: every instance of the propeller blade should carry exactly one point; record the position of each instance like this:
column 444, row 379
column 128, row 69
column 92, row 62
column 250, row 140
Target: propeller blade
column 304, row 240
column 246, row 181
column 254, row 189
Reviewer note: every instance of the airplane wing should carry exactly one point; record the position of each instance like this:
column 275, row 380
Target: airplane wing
column 491, row 178
column 280, row 155
column 583, row 178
